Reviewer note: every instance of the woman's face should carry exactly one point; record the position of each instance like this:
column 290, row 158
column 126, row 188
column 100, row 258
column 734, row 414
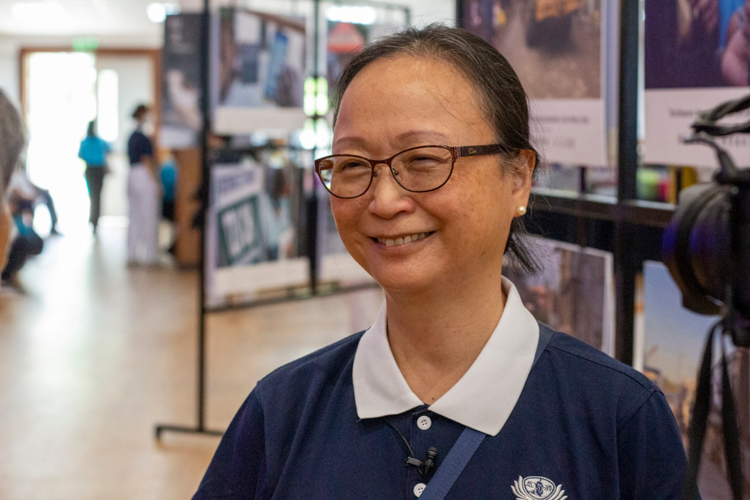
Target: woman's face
column 403, row 102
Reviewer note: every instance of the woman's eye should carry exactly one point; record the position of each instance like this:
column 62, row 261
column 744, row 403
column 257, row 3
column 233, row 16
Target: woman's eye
column 423, row 161
column 354, row 164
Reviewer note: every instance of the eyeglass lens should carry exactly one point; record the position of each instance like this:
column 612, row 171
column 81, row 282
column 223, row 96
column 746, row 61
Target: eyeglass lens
column 421, row 169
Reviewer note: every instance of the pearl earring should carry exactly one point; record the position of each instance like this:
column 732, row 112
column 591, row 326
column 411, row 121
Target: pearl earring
column 521, row 210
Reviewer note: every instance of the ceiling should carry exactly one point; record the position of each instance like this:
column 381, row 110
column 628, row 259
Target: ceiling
column 76, row 17
column 128, row 18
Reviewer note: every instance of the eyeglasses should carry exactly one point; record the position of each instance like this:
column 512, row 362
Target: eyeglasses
column 419, row 170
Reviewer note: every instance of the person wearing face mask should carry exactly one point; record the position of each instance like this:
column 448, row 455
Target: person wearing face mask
column 455, row 391
column 11, row 145
column 143, row 194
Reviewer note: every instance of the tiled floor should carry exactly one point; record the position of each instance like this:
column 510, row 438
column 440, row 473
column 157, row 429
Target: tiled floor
column 97, row 353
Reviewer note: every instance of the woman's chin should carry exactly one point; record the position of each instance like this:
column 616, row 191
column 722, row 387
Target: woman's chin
column 405, row 281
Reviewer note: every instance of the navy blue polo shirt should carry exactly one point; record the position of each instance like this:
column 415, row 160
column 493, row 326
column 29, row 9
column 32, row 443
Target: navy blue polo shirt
column 584, row 427
column 139, row 146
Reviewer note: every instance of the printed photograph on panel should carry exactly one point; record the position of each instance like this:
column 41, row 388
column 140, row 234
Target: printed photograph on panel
column 554, row 45
column 696, row 43
column 572, row 293
column 261, row 59
column 674, row 343
column 253, row 219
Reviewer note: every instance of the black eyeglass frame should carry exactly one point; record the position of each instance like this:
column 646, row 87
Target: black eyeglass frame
column 456, row 153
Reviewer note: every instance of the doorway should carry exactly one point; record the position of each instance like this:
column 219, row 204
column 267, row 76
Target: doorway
column 62, row 92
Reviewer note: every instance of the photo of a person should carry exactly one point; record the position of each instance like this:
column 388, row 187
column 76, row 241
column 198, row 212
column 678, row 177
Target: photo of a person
column 696, row 43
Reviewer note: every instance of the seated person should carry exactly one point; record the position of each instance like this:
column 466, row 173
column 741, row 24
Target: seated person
column 31, row 195
column 27, row 242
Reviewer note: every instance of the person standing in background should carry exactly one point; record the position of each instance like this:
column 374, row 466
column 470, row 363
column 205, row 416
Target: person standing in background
column 94, row 151
column 143, row 194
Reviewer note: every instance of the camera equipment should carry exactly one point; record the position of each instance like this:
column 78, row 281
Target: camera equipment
column 707, row 251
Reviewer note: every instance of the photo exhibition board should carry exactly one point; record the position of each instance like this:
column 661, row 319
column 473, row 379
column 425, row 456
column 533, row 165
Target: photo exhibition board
column 695, row 59
column 258, row 67
column 573, row 292
column 252, row 233
column 670, row 350
column 181, row 116
column 557, row 49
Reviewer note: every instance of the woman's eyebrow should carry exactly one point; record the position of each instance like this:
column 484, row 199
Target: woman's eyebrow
column 404, row 137
column 412, row 135
column 349, row 141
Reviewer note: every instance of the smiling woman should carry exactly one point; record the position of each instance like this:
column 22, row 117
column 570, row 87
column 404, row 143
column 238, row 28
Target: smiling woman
column 430, row 175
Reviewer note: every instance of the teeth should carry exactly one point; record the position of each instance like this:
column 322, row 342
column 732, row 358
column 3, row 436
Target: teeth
column 402, row 241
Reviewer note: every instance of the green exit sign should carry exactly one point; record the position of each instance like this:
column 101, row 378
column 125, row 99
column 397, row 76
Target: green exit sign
column 85, row 44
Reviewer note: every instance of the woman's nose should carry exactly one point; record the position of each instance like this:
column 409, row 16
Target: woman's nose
column 388, row 197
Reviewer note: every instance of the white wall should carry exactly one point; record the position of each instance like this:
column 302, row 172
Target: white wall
column 9, row 80
column 10, row 49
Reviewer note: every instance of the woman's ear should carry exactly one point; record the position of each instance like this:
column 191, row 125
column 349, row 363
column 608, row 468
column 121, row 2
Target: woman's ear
column 523, row 173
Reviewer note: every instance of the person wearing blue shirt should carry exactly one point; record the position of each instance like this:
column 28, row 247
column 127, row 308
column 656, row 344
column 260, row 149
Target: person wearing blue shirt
column 143, row 194
column 455, row 391
column 94, row 150
column 168, row 177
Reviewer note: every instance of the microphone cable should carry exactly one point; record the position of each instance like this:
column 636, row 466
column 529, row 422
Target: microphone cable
column 425, row 467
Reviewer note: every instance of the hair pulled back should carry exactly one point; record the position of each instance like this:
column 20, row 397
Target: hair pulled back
column 497, row 88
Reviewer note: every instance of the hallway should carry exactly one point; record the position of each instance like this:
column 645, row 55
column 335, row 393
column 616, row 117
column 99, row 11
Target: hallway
column 97, row 353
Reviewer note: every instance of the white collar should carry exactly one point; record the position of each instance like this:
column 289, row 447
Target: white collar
column 482, row 399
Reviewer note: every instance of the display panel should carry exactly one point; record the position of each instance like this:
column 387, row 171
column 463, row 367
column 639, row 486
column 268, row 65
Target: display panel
column 252, row 232
column 259, row 71
column 695, row 58
column 181, row 117
column 556, row 49
column 573, row 292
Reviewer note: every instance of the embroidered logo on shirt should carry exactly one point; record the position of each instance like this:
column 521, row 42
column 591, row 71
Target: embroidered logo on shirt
column 537, row 488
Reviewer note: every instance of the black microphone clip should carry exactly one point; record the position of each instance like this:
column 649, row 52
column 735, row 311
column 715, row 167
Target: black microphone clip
column 427, row 465
column 429, row 462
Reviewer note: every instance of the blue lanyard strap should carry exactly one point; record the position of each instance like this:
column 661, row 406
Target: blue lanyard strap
column 468, row 442
column 453, row 465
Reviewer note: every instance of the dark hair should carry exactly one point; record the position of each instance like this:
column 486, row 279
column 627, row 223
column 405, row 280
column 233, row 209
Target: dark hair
column 497, row 87
column 140, row 110
column 91, row 132
column 11, row 142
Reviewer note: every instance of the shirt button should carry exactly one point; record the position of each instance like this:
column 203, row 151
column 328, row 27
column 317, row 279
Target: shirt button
column 418, row 489
column 424, row 422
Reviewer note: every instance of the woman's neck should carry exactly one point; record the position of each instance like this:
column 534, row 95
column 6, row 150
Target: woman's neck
column 436, row 335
